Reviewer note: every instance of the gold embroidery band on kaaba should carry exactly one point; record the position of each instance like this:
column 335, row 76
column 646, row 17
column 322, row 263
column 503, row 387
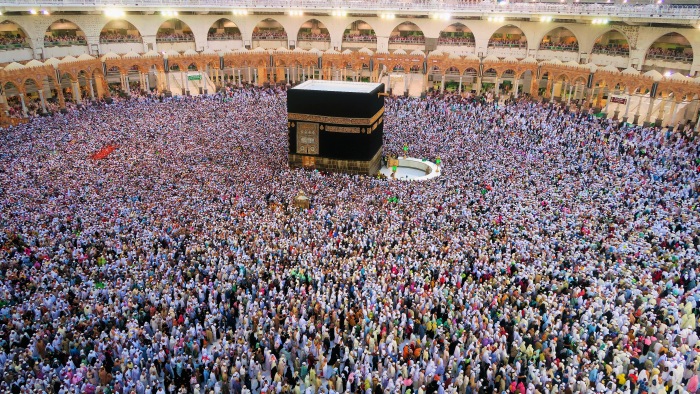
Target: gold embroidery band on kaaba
column 336, row 119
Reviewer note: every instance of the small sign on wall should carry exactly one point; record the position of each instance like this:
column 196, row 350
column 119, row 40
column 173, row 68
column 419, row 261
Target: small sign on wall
column 618, row 100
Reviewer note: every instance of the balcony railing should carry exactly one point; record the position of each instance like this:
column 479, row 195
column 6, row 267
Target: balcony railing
column 175, row 39
column 659, row 11
column 269, row 37
column 456, row 42
column 517, row 45
column 120, row 40
column 559, row 48
column 13, row 44
column 360, row 38
column 407, row 40
column 670, row 57
column 64, row 43
column 611, row 52
column 314, row 37
column 224, row 37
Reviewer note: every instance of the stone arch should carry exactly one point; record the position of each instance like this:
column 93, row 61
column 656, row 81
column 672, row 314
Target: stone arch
column 7, row 33
column 508, row 36
column 114, row 68
column 595, row 49
column 490, row 72
column 269, row 28
column 641, row 89
column 561, row 77
column 508, row 73
column 313, row 30
column 120, row 27
column 572, row 45
column 470, row 71
column 407, row 32
column 38, row 81
column 398, row 67
column 359, row 31
column 224, row 29
column 65, row 84
column 67, row 31
column 174, row 66
column 136, row 64
column 579, row 79
column 450, row 35
column 174, row 29
column 675, row 34
column 70, row 74
column 522, row 73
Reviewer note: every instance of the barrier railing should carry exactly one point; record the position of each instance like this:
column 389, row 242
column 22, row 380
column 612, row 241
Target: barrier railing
column 611, row 10
column 120, row 40
column 48, row 44
column 229, row 37
column 174, row 39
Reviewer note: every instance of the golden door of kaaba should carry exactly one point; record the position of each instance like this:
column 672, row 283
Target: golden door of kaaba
column 308, row 162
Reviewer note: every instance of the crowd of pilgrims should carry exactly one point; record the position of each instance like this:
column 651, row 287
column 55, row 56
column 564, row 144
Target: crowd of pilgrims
column 556, row 253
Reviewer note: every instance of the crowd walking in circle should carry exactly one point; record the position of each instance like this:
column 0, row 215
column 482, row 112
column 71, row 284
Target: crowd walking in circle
column 557, row 253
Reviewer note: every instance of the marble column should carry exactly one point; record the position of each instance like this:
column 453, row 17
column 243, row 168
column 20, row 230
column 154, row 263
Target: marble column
column 552, row 92
column 92, row 91
column 660, row 117
column 627, row 107
column 43, row 101
column 24, row 106
column 672, row 112
column 76, row 91
column 650, row 109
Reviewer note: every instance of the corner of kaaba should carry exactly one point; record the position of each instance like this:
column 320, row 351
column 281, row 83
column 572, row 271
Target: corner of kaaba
column 336, row 126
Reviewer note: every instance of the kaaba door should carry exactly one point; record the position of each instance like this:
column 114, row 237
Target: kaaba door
column 308, row 162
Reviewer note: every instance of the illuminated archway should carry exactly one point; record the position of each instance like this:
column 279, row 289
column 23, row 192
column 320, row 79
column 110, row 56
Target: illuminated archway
column 612, row 43
column 508, row 36
column 313, row 30
column 359, row 31
column 672, row 47
column 174, row 30
column 269, row 30
column 223, row 30
column 64, row 33
column 120, row 31
column 559, row 39
column 407, row 33
column 12, row 36
column 456, row 34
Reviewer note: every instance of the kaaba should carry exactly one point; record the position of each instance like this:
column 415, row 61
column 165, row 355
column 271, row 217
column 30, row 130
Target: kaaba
column 336, row 126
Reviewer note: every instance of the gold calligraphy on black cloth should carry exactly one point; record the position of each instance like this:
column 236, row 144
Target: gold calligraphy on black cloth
column 337, row 120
